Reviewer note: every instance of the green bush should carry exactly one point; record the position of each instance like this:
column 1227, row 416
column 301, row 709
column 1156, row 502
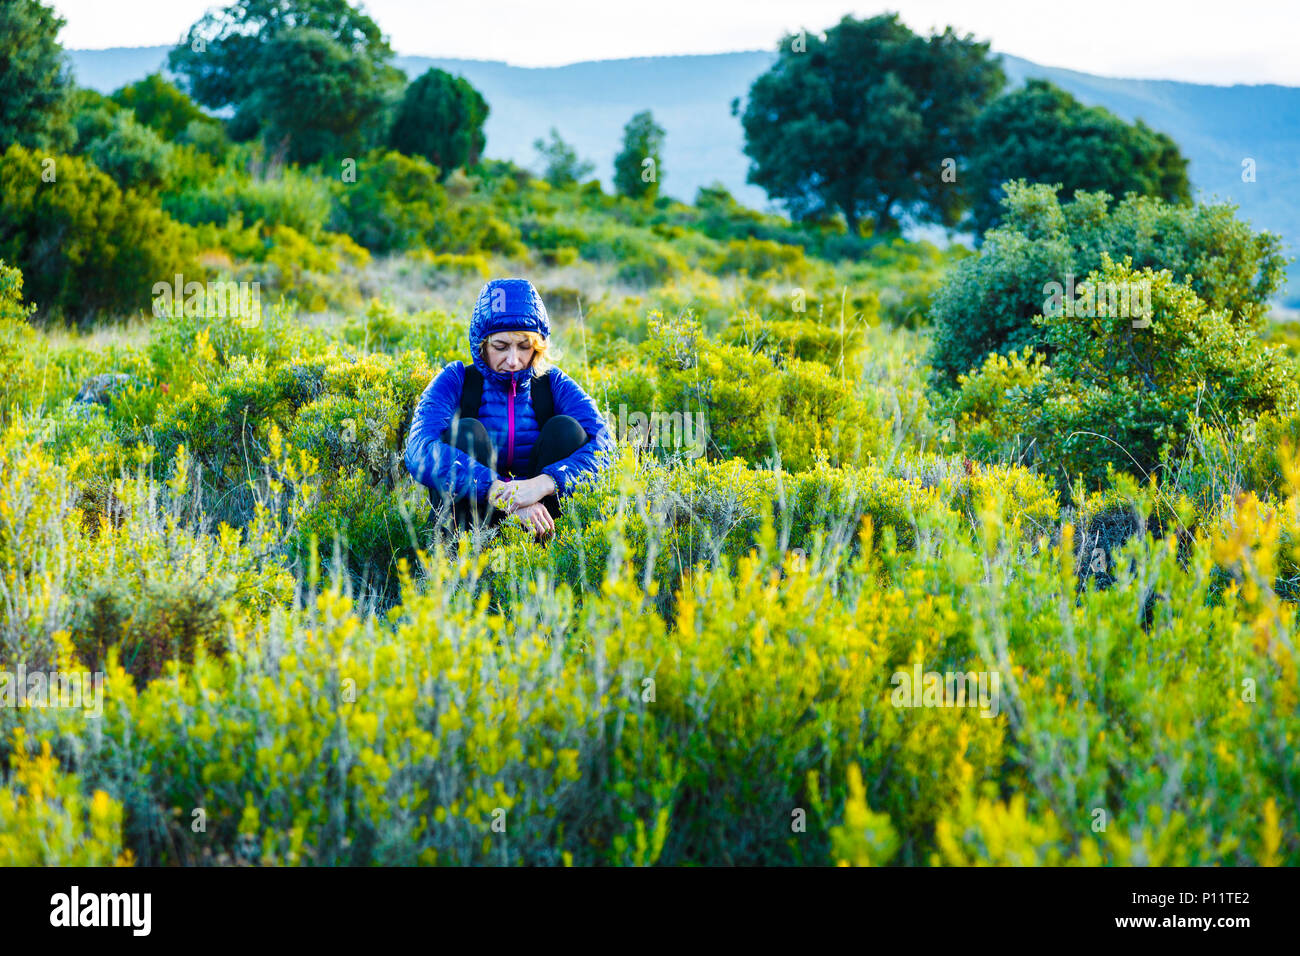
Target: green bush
column 206, row 138
column 759, row 258
column 1120, row 392
column 550, row 233
column 722, row 217
column 383, row 329
column 313, row 273
column 162, row 107
column 292, row 198
column 1223, row 459
column 982, row 416
column 83, row 245
column 663, row 520
column 17, row 342
column 989, row 301
column 46, row 819
column 470, row 229
column 795, row 338
column 395, row 203
column 760, row 411
column 638, row 260
column 135, row 156
column 331, row 427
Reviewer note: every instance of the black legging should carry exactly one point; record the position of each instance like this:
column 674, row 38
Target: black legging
column 561, row 436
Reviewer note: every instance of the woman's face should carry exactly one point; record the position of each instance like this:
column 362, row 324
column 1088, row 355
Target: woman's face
column 509, row 352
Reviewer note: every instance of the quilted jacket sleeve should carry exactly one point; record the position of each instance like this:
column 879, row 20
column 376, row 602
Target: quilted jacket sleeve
column 434, row 463
column 592, row 457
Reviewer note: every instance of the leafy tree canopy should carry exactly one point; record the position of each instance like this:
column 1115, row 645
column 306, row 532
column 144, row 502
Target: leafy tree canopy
column 862, row 121
column 1042, row 134
column 161, row 106
column 643, row 139
column 311, row 76
column 34, row 80
column 319, row 100
column 223, row 56
column 441, row 119
column 562, row 165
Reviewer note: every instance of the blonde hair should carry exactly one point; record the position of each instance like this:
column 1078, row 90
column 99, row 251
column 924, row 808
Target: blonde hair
column 543, row 355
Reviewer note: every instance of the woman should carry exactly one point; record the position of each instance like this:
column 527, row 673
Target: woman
column 476, row 441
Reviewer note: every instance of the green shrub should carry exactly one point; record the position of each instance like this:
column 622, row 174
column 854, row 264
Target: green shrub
column 452, row 266
column 135, row 156
column 982, row 416
column 1221, row 460
column 46, row 819
column 471, row 229
column 760, row 411
column 1120, row 394
column 722, row 217
column 330, row 427
column 162, row 107
column 759, row 258
column 638, row 260
column 83, row 245
column 376, row 524
column 313, row 273
column 292, row 198
column 208, row 139
column 672, row 517
column 383, row 329
column 795, row 338
column 989, row 301
column 550, row 233
column 1266, row 444
column 17, row 342
column 396, row 202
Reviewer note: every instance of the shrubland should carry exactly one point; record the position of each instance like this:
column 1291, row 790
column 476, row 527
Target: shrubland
column 842, row 459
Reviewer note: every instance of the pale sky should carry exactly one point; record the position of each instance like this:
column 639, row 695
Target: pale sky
column 1202, row 41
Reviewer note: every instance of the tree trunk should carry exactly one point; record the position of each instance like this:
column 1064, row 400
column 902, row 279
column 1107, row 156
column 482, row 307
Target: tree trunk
column 885, row 221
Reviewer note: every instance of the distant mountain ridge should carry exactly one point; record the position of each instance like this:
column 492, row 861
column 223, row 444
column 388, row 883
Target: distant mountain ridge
column 1216, row 127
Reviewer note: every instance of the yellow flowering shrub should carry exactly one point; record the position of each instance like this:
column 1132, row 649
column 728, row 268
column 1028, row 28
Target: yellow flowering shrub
column 17, row 341
column 819, row 642
column 46, row 819
column 865, row 838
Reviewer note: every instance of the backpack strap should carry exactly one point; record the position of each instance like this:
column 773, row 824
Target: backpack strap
column 471, row 394
column 543, row 399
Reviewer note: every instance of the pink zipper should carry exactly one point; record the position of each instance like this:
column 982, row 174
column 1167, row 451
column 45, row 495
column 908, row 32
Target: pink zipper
column 510, row 428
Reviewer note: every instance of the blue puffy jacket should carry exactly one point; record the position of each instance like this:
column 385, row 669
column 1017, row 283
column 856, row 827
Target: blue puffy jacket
column 504, row 305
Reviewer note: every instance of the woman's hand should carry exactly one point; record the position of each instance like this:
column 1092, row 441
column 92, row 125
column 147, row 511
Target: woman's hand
column 499, row 494
column 521, row 494
column 536, row 519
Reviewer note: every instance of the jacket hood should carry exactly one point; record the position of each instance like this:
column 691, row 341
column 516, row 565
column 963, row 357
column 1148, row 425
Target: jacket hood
column 506, row 305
